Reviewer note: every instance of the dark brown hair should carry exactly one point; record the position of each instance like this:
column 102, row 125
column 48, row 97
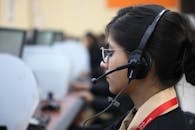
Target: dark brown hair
column 169, row 46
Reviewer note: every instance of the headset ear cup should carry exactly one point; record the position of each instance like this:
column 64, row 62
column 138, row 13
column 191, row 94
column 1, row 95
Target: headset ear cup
column 139, row 64
column 146, row 65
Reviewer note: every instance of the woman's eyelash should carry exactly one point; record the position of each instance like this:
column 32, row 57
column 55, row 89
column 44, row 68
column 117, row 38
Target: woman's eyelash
column 106, row 45
column 111, row 52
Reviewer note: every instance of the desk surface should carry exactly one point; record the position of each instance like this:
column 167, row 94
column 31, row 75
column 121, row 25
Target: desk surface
column 70, row 106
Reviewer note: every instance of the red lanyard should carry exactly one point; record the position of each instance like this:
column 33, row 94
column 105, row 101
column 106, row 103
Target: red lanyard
column 158, row 111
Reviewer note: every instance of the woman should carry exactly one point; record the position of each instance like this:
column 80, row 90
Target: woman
column 152, row 70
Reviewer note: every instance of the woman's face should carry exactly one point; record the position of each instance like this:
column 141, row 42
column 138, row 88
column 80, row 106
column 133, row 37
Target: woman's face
column 118, row 79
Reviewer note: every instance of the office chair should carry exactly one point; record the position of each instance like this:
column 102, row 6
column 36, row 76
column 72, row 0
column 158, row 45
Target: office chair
column 19, row 95
column 186, row 94
column 78, row 56
column 52, row 70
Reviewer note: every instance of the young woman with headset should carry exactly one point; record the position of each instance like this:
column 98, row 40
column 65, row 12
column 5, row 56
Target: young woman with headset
column 149, row 51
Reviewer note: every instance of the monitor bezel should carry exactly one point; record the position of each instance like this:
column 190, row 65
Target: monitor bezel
column 23, row 39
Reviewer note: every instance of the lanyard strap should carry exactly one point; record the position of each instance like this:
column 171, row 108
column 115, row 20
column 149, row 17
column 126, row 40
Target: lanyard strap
column 158, row 111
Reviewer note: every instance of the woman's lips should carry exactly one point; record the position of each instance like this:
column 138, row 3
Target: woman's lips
column 107, row 78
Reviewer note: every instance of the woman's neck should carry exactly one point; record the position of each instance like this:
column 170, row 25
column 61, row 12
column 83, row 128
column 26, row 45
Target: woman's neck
column 143, row 92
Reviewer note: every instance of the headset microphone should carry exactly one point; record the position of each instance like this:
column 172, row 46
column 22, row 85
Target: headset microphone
column 94, row 80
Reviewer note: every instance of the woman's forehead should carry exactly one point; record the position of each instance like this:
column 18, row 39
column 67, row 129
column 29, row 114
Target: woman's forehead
column 112, row 43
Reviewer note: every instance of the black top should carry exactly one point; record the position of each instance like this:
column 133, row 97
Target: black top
column 101, row 92
column 173, row 120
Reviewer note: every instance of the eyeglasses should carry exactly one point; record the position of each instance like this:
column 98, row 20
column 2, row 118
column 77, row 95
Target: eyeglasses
column 107, row 53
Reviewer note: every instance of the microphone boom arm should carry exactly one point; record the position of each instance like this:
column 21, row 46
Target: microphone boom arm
column 94, row 80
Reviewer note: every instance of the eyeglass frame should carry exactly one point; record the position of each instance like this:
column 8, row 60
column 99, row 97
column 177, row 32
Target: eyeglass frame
column 108, row 55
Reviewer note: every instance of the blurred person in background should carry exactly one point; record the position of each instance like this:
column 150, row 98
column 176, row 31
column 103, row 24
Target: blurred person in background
column 91, row 43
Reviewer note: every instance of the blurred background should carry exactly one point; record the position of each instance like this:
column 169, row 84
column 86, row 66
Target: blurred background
column 71, row 16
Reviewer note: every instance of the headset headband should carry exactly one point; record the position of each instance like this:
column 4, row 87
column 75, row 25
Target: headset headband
column 150, row 30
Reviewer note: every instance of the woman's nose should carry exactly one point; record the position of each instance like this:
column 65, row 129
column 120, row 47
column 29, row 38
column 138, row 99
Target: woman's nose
column 104, row 65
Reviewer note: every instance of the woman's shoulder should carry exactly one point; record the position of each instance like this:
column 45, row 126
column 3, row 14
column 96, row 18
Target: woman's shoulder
column 173, row 120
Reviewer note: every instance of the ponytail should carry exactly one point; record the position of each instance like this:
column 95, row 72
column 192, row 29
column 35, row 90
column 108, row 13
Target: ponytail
column 189, row 55
column 189, row 63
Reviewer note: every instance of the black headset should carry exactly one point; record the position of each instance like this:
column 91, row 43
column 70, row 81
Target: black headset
column 140, row 62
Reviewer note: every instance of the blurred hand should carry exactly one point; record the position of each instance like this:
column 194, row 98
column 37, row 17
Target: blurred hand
column 80, row 85
column 86, row 95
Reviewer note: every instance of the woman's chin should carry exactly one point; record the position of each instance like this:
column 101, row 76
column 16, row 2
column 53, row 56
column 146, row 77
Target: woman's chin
column 112, row 90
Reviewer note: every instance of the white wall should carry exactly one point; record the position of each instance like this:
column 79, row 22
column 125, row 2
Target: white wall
column 72, row 16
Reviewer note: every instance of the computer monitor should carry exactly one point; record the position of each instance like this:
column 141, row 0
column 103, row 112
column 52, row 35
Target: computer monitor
column 58, row 36
column 12, row 41
column 48, row 37
column 44, row 37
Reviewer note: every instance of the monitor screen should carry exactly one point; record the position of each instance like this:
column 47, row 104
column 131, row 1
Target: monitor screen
column 11, row 41
column 58, row 36
column 44, row 38
column 48, row 37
